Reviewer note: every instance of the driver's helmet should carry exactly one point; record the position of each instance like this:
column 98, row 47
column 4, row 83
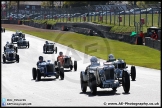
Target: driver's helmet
column 60, row 53
column 46, row 42
column 111, row 57
column 7, row 42
column 93, row 60
column 40, row 58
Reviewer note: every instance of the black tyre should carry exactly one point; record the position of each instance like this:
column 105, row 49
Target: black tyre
column 28, row 44
column 114, row 88
column 92, row 84
column 83, row 83
column 71, row 67
column 133, row 73
column 75, row 65
column 62, row 73
column 16, row 49
column 11, row 40
column 55, row 50
column 4, row 48
column 34, row 73
column 55, row 63
column 57, row 75
column 126, row 81
column 4, row 59
column 17, row 58
column 43, row 49
column 38, row 75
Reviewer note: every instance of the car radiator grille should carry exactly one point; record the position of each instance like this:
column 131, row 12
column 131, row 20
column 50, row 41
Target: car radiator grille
column 109, row 73
column 121, row 65
column 11, row 55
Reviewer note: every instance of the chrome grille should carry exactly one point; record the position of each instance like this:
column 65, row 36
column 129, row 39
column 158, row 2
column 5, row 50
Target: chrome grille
column 109, row 73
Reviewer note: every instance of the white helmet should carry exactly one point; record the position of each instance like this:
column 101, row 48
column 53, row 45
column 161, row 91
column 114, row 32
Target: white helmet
column 111, row 57
column 93, row 59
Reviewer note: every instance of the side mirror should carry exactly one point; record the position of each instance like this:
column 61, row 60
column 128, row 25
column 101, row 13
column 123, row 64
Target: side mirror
column 126, row 66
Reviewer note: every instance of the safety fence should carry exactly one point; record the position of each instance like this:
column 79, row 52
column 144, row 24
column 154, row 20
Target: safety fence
column 120, row 15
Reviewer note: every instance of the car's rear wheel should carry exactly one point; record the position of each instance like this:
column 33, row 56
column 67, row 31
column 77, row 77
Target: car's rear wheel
column 55, row 50
column 75, row 65
column 34, row 73
column 133, row 73
column 16, row 49
column 17, row 58
column 28, row 44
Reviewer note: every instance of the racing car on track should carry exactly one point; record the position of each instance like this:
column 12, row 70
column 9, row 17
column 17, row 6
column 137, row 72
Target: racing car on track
column 46, row 69
column 22, row 42
column 2, row 29
column 10, row 55
column 14, row 38
column 66, row 62
column 10, row 46
column 120, row 65
column 104, row 76
column 49, row 47
column 20, row 34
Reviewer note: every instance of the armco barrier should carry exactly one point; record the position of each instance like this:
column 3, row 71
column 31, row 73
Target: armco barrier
column 156, row 44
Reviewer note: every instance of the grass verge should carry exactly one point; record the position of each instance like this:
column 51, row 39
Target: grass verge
column 101, row 47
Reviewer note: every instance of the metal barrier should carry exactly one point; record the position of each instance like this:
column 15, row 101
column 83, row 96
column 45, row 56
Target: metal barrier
column 104, row 14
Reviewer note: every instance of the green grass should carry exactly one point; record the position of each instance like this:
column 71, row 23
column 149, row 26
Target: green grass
column 101, row 47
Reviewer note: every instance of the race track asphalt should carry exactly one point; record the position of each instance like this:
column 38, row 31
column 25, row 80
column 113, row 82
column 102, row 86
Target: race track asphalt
column 17, row 82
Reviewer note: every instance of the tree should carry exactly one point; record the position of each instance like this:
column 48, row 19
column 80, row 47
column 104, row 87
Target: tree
column 46, row 4
column 11, row 4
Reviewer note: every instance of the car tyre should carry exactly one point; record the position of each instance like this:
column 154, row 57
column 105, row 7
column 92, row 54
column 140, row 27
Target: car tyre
column 133, row 73
column 92, row 84
column 34, row 73
column 126, row 81
column 83, row 84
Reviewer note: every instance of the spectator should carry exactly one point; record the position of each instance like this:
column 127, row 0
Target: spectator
column 154, row 36
column 142, row 35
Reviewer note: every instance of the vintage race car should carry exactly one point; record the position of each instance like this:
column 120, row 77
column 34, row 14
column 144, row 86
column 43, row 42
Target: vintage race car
column 10, row 55
column 2, row 29
column 10, row 46
column 20, row 34
column 67, row 63
column 103, row 77
column 14, row 38
column 22, row 43
column 49, row 47
column 120, row 65
column 47, row 69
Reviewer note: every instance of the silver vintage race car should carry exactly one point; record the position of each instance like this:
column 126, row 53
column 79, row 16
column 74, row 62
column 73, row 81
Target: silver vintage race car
column 10, row 55
column 22, row 42
column 104, row 76
column 49, row 47
column 10, row 46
